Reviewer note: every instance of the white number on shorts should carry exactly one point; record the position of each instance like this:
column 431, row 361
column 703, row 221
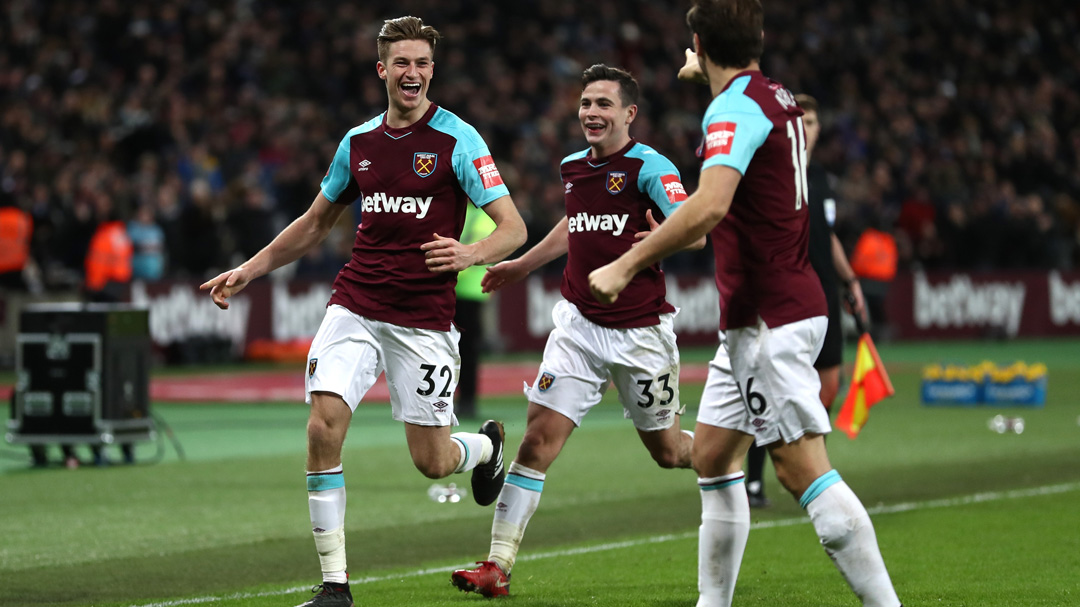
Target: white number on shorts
column 753, row 398
column 429, row 371
column 646, row 391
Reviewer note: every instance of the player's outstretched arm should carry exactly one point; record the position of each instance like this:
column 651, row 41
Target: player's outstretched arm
column 697, row 245
column 291, row 244
column 554, row 245
column 444, row 254
column 692, row 221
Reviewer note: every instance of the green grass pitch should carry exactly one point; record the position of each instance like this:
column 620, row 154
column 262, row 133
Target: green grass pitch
column 964, row 516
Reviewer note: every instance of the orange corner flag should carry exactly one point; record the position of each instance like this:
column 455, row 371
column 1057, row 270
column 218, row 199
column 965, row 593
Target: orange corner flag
column 869, row 385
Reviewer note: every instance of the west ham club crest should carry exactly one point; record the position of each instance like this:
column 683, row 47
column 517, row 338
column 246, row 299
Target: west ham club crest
column 616, row 181
column 424, row 163
column 545, row 382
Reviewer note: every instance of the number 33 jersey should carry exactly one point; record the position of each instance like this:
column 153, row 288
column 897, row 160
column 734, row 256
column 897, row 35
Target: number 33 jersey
column 411, row 183
column 762, row 265
column 606, row 201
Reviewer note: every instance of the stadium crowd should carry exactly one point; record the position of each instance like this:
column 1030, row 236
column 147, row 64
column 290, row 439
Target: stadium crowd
column 207, row 126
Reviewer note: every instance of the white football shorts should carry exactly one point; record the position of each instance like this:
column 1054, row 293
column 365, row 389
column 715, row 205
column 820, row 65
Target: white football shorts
column 422, row 365
column 763, row 382
column 581, row 358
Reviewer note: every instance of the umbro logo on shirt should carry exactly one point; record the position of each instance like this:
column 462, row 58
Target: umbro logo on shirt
column 364, row 164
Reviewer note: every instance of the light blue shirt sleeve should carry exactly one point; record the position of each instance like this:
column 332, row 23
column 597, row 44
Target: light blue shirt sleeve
column 659, row 179
column 735, row 127
column 472, row 162
column 338, row 176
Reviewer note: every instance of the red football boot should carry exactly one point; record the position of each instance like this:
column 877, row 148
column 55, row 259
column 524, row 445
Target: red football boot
column 488, row 580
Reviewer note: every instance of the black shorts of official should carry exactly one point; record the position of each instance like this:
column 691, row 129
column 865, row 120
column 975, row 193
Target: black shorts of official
column 832, row 352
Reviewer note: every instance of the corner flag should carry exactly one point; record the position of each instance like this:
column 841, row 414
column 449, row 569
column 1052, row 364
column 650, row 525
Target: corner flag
column 869, row 385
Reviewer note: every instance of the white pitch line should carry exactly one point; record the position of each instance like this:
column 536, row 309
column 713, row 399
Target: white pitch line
column 977, row 498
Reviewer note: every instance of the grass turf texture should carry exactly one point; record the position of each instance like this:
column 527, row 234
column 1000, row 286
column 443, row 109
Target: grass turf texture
column 232, row 518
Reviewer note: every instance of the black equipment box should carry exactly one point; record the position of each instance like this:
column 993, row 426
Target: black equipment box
column 82, row 375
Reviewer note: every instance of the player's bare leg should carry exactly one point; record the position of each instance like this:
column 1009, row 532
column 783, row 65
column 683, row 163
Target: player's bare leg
column 437, row 454
column 433, row 452
column 838, row 516
column 670, row 447
column 725, row 514
column 328, row 422
column 830, row 385
column 546, row 432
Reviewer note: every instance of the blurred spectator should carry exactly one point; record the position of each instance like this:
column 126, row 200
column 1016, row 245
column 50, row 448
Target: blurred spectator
column 16, row 227
column 199, row 232
column 148, row 245
column 874, row 262
column 108, row 262
column 937, row 111
column 251, row 223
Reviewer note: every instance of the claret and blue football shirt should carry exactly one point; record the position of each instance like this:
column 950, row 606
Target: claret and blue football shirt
column 411, row 183
column 762, row 267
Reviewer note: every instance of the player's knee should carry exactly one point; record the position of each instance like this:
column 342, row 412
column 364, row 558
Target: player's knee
column 318, row 432
column 536, row 446
column 707, row 460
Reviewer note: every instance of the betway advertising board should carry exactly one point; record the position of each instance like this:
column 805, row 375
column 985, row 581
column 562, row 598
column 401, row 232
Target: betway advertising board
column 1010, row 304
column 920, row 306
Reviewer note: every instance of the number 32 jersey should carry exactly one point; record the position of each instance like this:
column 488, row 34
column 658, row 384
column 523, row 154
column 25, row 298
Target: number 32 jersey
column 412, row 182
column 762, row 265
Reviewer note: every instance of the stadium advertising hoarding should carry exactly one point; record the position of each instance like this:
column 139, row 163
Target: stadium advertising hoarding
column 265, row 310
column 920, row 306
column 942, row 305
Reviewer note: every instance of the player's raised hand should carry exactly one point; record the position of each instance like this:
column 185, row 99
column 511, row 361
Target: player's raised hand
column 447, row 254
column 227, row 284
column 691, row 71
column 502, row 274
column 653, row 224
column 608, row 281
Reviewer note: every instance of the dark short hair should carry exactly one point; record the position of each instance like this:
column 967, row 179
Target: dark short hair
column 729, row 30
column 807, row 103
column 628, row 87
column 405, row 28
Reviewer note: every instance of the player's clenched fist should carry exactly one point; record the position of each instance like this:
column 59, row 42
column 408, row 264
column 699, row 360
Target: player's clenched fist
column 227, row 284
column 607, row 282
